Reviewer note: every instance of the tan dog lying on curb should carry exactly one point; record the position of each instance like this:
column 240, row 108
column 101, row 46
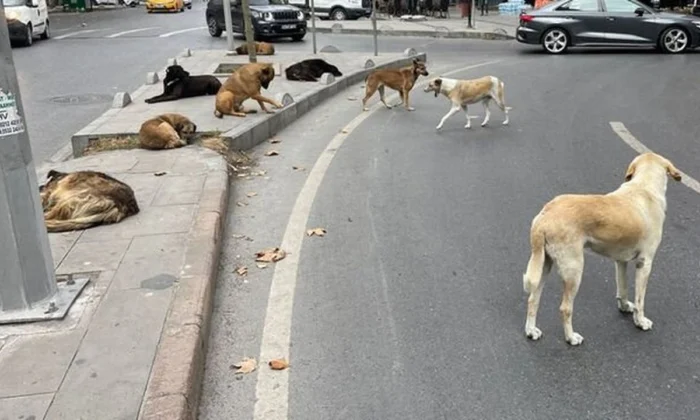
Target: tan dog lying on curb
column 245, row 83
column 466, row 92
column 624, row 225
column 400, row 80
column 166, row 131
column 261, row 48
column 83, row 199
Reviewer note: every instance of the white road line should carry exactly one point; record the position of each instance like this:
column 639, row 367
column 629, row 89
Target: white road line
column 68, row 35
column 272, row 389
column 182, row 31
column 637, row 145
column 118, row 34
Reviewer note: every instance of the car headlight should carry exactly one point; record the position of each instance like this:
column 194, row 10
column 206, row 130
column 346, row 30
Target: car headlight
column 300, row 15
column 697, row 23
column 267, row 16
column 254, row 14
column 12, row 15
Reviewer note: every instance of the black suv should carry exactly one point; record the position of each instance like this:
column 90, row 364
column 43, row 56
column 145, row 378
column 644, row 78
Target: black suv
column 271, row 19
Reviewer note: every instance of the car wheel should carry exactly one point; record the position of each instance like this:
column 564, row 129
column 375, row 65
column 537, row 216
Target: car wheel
column 47, row 31
column 674, row 40
column 555, row 41
column 29, row 36
column 214, row 29
column 297, row 38
column 338, row 14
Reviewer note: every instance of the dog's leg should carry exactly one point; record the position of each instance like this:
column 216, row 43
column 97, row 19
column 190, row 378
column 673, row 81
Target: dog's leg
column 500, row 101
column 405, row 100
column 533, row 304
column 641, row 279
column 162, row 98
column 264, row 108
column 272, row 102
column 623, row 304
column 487, row 117
column 570, row 270
column 370, row 88
column 381, row 96
column 450, row 113
column 469, row 120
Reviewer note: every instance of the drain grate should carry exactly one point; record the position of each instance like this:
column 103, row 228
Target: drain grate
column 88, row 98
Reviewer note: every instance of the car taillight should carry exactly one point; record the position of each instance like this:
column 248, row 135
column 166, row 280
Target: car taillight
column 525, row 18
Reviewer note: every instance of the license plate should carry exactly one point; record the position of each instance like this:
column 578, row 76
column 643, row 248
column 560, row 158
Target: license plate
column 159, row 6
column 289, row 26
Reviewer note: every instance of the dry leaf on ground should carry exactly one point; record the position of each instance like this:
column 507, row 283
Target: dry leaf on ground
column 261, row 266
column 160, row 173
column 247, row 365
column 272, row 153
column 274, row 140
column 238, row 236
column 270, row 255
column 352, row 98
column 278, row 364
column 251, row 194
column 298, row 168
column 241, row 204
column 316, row 231
column 242, row 271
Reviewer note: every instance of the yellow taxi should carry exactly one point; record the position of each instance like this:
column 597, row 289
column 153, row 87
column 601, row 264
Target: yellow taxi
column 165, row 6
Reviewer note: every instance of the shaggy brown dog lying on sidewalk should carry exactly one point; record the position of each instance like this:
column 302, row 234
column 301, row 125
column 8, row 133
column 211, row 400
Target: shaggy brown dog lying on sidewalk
column 401, row 80
column 166, row 131
column 243, row 84
column 261, row 48
column 83, row 199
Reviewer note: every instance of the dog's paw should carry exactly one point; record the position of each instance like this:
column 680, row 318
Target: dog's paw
column 505, row 122
column 533, row 333
column 410, row 108
column 484, row 124
column 575, row 339
column 365, row 109
column 643, row 323
column 468, row 126
column 438, row 127
column 625, row 306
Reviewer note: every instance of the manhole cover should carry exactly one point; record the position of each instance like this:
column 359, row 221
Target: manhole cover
column 88, row 98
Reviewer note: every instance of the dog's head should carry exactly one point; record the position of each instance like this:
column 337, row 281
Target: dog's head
column 175, row 72
column 242, row 49
column 267, row 73
column 652, row 162
column 435, row 85
column 419, row 68
column 183, row 125
column 52, row 179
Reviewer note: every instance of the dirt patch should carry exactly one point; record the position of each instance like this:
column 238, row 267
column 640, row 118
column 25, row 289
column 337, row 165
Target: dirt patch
column 106, row 144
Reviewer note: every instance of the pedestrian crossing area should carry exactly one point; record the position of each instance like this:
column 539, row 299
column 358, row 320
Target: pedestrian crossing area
column 115, row 33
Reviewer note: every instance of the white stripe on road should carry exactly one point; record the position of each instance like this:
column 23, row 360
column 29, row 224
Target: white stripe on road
column 182, row 31
column 86, row 31
column 637, row 145
column 272, row 389
column 118, row 34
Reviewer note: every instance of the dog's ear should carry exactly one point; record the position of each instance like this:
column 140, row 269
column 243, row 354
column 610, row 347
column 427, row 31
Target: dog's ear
column 415, row 61
column 54, row 174
column 672, row 171
column 631, row 170
column 438, row 85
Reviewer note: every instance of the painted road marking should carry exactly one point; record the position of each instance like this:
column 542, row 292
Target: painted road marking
column 272, row 389
column 118, row 34
column 181, row 31
column 637, row 145
column 68, row 35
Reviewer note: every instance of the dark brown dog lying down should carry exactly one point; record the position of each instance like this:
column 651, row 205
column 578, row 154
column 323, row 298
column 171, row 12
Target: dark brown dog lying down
column 310, row 70
column 261, row 48
column 83, row 199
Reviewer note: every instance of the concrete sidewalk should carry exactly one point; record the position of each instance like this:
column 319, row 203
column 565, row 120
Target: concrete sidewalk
column 150, row 286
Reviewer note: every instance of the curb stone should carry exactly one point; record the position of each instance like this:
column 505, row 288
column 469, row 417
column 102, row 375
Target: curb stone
column 491, row 36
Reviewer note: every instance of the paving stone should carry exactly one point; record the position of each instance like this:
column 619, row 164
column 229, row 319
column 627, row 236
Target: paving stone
column 152, row 262
column 102, row 254
column 25, row 408
column 180, row 189
column 61, row 243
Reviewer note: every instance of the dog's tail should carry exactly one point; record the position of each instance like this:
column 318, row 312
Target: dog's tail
column 535, row 267
column 85, row 222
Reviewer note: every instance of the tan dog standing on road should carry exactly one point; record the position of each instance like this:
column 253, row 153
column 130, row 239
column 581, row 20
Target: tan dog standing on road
column 466, row 92
column 624, row 225
column 243, row 84
column 261, row 48
column 401, row 80
column 166, row 131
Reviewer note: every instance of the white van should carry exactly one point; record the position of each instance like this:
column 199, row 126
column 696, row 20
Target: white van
column 336, row 9
column 27, row 19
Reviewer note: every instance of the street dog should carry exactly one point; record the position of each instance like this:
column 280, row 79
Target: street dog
column 310, row 70
column 83, row 199
column 624, row 225
column 261, row 48
column 400, row 80
column 179, row 84
column 166, row 131
column 466, row 92
column 243, row 84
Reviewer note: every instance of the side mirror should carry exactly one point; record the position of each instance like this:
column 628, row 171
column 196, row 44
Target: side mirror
column 639, row 11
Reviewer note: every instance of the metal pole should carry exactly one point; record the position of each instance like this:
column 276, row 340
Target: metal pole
column 28, row 289
column 374, row 27
column 229, row 27
column 470, row 3
column 249, row 36
column 313, row 25
column 473, row 13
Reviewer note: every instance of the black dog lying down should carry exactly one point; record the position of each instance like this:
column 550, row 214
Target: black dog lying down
column 179, row 84
column 310, row 70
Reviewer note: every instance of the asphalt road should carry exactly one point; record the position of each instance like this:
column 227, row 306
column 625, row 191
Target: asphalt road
column 411, row 307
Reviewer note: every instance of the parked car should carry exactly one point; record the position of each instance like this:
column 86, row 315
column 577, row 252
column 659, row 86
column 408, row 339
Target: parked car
column 165, row 5
column 337, row 9
column 607, row 23
column 27, row 19
column 271, row 19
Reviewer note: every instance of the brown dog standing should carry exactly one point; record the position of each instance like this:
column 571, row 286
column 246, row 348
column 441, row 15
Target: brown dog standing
column 243, row 84
column 166, row 131
column 261, row 48
column 401, row 80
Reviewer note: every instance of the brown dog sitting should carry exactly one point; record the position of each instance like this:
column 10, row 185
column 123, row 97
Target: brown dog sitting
column 243, row 84
column 401, row 80
column 83, row 199
column 166, row 131
column 261, row 48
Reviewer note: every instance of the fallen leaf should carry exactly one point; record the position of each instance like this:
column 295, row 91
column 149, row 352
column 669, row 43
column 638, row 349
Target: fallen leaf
column 298, row 168
column 160, row 173
column 274, row 140
column 238, row 236
column 245, row 366
column 241, row 175
column 316, row 231
column 262, row 266
column 270, row 255
column 278, row 364
column 272, row 153
column 251, row 194
column 260, row 173
column 352, row 98
column 241, row 204
column 242, row 271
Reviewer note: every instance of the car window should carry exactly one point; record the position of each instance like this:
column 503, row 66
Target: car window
column 620, row 6
column 580, row 6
